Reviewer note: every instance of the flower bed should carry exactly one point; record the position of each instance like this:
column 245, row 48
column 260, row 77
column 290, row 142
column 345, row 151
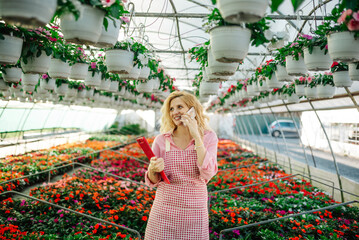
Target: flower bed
column 129, row 204
column 31, row 163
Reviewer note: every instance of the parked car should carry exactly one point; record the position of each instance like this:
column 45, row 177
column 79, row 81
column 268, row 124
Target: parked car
column 286, row 127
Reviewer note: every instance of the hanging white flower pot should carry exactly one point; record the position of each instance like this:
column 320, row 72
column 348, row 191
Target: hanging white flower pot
column 10, row 49
column 3, row 85
column 71, row 93
column 311, row 92
column 299, row 90
column 59, row 69
column 156, row 84
column 251, row 90
column 145, row 87
column 343, row 46
column 209, row 88
column 104, row 85
column 5, row 93
column 354, row 71
column 90, row 93
column 93, row 81
column 122, row 92
column 87, row 29
column 326, row 91
column 113, row 86
column 81, row 93
column 238, row 11
column 317, row 60
column 119, row 61
column 273, row 97
column 39, row 64
column 12, row 75
column 109, row 37
column 27, row 13
column 230, row 43
column 28, row 88
column 145, row 72
column 294, row 98
column 50, row 85
column 294, row 67
column 207, row 76
column 220, row 68
column 281, row 73
column 273, row 82
column 342, row 79
column 133, row 75
column 62, row 89
column 30, row 79
column 79, row 71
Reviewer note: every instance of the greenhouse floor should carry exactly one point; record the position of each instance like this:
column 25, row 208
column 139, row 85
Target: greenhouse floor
column 348, row 166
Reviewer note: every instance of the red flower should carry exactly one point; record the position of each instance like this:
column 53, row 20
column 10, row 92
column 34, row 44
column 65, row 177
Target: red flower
column 144, row 218
column 334, row 64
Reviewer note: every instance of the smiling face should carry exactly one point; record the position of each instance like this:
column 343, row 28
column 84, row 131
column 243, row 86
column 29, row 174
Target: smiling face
column 177, row 108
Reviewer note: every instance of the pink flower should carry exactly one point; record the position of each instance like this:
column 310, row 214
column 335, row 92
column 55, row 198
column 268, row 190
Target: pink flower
column 307, row 36
column 344, row 15
column 44, row 76
column 125, row 19
column 107, row 3
column 353, row 25
column 93, row 65
column 356, row 16
column 301, row 79
column 309, row 79
column 326, row 46
column 55, row 27
column 159, row 70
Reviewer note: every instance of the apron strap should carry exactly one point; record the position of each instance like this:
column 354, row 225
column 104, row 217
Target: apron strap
column 168, row 145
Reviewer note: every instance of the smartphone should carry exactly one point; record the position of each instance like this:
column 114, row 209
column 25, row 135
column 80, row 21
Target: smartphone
column 192, row 113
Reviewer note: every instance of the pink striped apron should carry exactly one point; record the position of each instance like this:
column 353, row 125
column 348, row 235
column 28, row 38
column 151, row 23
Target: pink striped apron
column 180, row 209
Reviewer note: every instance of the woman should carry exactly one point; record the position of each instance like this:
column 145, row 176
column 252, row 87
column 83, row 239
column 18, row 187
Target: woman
column 187, row 152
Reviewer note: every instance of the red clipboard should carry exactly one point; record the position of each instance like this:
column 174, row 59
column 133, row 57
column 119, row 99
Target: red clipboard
column 142, row 141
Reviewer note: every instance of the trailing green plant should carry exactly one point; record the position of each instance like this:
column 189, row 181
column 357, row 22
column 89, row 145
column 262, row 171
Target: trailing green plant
column 324, row 79
column 339, row 66
column 315, row 41
column 141, row 53
column 200, row 54
column 60, row 81
column 288, row 89
column 6, row 29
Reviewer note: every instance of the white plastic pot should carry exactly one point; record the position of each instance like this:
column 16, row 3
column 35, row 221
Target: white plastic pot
column 3, row 85
column 50, row 85
column 12, row 75
column 113, row 87
column 230, row 43
column 109, row 38
column 311, row 92
column 79, row 71
column 104, row 85
column 81, row 93
column 342, row 79
column 207, row 76
column 145, row 87
column 209, row 88
column 294, row 98
column 28, row 88
column 27, row 13
column 354, row 71
column 133, row 75
column 59, row 69
column 93, row 81
column 10, row 49
column 87, row 29
column 156, row 84
column 39, row 64
column 342, row 46
column 119, row 61
column 317, row 60
column 326, row 91
column 145, row 72
column 62, row 89
column 219, row 68
column 30, row 79
column 294, row 67
column 90, row 93
column 273, row 82
column 71, row 93
column 299, row 90
column 238, row 11
column 281, row 74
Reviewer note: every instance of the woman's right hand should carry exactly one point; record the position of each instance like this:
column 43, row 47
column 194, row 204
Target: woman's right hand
column 156, row 165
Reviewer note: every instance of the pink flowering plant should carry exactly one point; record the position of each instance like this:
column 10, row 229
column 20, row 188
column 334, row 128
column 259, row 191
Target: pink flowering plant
column 199, row 53
column 303, row 80
column 140, row 51
column 97, row 65
column 338, row 67
column 114, row 9
column 319, row 40
column 324, row 79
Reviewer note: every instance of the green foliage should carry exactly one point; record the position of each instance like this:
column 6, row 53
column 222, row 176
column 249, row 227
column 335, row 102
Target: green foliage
column 132, row 129
column 339, row 66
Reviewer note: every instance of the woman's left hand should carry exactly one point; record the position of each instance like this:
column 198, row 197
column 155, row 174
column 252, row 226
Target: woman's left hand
column 191, row 124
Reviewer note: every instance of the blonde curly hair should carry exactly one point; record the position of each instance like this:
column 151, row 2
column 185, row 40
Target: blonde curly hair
column 190, row 100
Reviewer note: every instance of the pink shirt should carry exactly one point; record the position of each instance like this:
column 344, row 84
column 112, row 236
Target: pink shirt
column 209, row 166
